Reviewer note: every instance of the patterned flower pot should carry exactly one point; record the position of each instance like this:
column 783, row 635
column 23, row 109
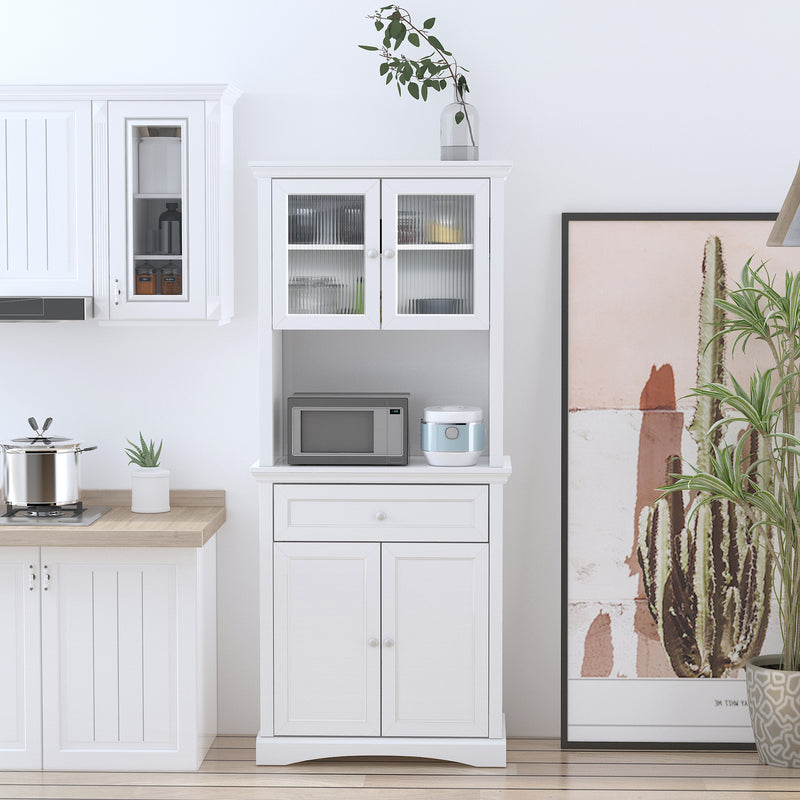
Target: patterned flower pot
column 773, row 697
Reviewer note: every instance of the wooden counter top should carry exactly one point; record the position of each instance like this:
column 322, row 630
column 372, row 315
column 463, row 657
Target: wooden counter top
column 194, row 517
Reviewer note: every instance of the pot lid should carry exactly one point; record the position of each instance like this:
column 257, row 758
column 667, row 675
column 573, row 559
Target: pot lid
column 40, row 444
column 43, row 442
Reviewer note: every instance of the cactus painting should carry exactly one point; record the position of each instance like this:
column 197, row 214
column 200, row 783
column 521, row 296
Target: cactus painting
column 707, row 583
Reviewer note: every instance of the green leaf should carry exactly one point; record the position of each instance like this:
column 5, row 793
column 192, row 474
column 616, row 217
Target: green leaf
column 428, row 24
column 389, row 78
column 367, row 47
column 442, row 84
column 436, row 43
column 378, row 25
column 459, row 117
column 425, row 90
column 413, row 39
column 384, row 68
column 413, row 90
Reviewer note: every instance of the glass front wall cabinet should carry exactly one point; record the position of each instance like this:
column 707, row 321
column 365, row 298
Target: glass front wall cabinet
column 380, row 254
column 158, row 267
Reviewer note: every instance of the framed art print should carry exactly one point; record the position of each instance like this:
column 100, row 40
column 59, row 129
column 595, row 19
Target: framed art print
column 656, row 626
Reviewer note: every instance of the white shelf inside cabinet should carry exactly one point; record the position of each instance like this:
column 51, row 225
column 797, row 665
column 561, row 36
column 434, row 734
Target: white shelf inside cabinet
column 418, row 470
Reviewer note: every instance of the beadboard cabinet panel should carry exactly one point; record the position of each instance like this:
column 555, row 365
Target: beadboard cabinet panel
column 20, row 659
column 45, row 198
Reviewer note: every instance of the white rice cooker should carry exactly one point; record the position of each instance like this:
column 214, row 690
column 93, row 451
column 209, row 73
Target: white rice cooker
column 452, row 436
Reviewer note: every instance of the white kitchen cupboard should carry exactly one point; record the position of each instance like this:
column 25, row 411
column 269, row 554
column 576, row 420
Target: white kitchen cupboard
column 81, row 213
column 386, row 253
column 381, row 599
column 108, row 657
column 45, row 196
column 381, row 639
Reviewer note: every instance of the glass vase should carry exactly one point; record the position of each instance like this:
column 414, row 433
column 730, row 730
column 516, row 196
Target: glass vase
column 459, row 130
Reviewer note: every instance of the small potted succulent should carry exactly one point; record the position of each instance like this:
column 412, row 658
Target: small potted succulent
column 149, row 482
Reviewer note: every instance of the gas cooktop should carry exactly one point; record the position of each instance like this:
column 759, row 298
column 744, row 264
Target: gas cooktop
column 73, row 514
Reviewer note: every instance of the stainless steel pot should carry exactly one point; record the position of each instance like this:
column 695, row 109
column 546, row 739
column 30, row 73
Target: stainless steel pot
column 42, row 469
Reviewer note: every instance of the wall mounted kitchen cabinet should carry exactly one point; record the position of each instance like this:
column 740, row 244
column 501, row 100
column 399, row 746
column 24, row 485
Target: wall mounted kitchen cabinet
column 107, row 657
column 390, row 253
column 123, row 193
column 381, row 597
column 45, row 196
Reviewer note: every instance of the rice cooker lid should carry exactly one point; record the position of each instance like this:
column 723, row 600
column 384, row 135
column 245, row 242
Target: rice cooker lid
column 453, row 414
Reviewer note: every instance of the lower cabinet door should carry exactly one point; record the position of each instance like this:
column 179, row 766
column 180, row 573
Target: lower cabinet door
column 20, row 660
column 435, row 635
column 114, row 655
column 327, row 639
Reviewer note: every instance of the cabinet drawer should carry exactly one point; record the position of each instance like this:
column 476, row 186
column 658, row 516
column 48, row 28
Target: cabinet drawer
column 380, row 513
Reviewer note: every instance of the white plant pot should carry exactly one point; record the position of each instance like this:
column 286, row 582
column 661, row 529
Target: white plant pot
column 149, row 490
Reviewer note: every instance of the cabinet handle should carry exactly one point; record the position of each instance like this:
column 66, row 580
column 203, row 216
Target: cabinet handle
column 45, row 578
column 31, row 578
column 117, row 291
column 387, row 642
column 380, row 516
column 373, row 641
column 372, row 253
column 387, row 253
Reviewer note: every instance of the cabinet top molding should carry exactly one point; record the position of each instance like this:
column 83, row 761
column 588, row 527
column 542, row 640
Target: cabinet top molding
column 185, row 91
column 380, row 169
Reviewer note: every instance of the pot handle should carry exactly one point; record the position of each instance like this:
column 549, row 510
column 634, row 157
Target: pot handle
column 86, row 449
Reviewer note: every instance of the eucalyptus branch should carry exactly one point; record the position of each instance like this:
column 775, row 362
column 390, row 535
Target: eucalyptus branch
column 397, row 27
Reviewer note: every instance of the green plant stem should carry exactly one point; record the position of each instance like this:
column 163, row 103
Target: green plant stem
column 452, row 68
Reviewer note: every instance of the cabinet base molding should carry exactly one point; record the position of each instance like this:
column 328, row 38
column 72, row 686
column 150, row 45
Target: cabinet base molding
column 478, row 752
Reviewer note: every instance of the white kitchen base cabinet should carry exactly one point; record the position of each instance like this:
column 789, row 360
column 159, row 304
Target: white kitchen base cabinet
column 372, row 646
column 107, row 657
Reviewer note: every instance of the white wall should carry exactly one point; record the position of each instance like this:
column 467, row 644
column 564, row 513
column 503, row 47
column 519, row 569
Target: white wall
column 614, row 106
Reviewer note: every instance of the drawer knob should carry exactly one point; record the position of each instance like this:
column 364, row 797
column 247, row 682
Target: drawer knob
column 373, row 641
column 380, row 516
column 387, row 642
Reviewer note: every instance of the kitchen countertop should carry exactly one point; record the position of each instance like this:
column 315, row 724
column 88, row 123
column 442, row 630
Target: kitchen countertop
column 194, row 517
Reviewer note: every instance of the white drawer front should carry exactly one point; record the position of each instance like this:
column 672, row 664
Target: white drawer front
column 381, row 513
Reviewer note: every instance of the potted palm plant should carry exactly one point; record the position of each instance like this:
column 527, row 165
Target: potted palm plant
column 761, row 481
column 149, row 482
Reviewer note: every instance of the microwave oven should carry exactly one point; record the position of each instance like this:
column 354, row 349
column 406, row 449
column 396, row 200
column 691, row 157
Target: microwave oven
column 342, row 429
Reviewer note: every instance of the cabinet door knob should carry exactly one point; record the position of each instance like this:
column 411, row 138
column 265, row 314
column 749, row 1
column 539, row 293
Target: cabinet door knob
column 117, row 292
column 387, row 642
column 45, row 577
column 380, row 516
column 388, row 253
column 373, row 641
column 31, row 577
column 372, row 253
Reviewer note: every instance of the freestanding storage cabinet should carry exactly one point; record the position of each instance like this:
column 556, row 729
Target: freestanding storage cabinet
column 381, row 587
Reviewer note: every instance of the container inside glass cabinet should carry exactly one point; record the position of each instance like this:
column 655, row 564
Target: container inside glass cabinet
column 156, row 206
column 326, row 254
column 435, row 254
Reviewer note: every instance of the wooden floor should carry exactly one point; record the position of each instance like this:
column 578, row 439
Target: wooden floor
column 537, row 768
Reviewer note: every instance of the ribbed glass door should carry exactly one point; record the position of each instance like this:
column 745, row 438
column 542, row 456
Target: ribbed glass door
column 320, row 234
column 435, row 254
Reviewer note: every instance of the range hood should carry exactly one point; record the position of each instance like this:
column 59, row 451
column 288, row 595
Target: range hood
column 45, row 309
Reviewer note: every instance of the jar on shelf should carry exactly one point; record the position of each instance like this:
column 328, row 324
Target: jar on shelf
column 146, row 279
column 171, row 282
